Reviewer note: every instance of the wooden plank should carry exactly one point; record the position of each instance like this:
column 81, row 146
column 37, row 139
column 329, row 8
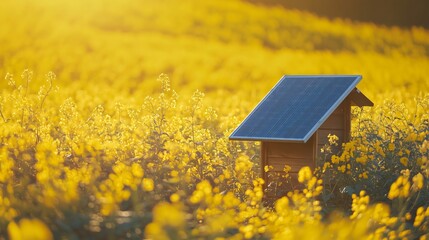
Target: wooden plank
column 340, row 110
column 295, row 155
column 294, row 150
column 334, row 122
column 278, row 164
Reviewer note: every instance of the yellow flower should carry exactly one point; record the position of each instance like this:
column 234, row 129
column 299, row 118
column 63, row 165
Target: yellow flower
column 168, row 214
column 400, row 188
column 420, row 216
column 247, row 230
column 408, row 216
column 364, row 175
column 175, row 198
column 404, row 161
column 167, row 219
column 381, row 212
column 359, row 204
column 266, row 168
column 333, row 139
column 243, row 165
column 418, row 181
column 287, row 168
column 137, row 170
column 335, row 159
column 174, row 173
column 304, row 174
column 204, row 189
column 148, row 184
column 363, row 160
column 6, row 166
column 342, row 168
column 425, row 146
column 155, row 231
column 29, row 229
column 227, row 174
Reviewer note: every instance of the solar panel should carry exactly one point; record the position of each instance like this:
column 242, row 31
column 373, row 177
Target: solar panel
column 295, row 108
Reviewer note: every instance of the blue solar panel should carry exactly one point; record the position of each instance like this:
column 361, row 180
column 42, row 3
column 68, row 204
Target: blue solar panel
column 295, row 108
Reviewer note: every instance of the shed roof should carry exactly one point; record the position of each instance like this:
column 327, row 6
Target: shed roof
column 297, row 106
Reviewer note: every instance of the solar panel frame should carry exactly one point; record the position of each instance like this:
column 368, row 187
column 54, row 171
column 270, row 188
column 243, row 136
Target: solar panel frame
column 356, row 79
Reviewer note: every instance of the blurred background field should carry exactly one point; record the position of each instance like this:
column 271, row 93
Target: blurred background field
column 230, row 46
column 115, row 117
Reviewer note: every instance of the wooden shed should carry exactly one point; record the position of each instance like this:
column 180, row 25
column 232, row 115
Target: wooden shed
column 293, row 120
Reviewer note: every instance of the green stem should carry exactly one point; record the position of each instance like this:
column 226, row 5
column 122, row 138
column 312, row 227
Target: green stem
column 2, row 116
column 46, row 95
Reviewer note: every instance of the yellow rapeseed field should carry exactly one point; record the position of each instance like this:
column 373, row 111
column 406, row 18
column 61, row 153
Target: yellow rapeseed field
column 115, row 117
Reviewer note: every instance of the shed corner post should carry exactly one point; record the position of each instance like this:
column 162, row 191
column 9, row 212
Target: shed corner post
column 264, row 162
column 315, row 149
column 347, row 120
